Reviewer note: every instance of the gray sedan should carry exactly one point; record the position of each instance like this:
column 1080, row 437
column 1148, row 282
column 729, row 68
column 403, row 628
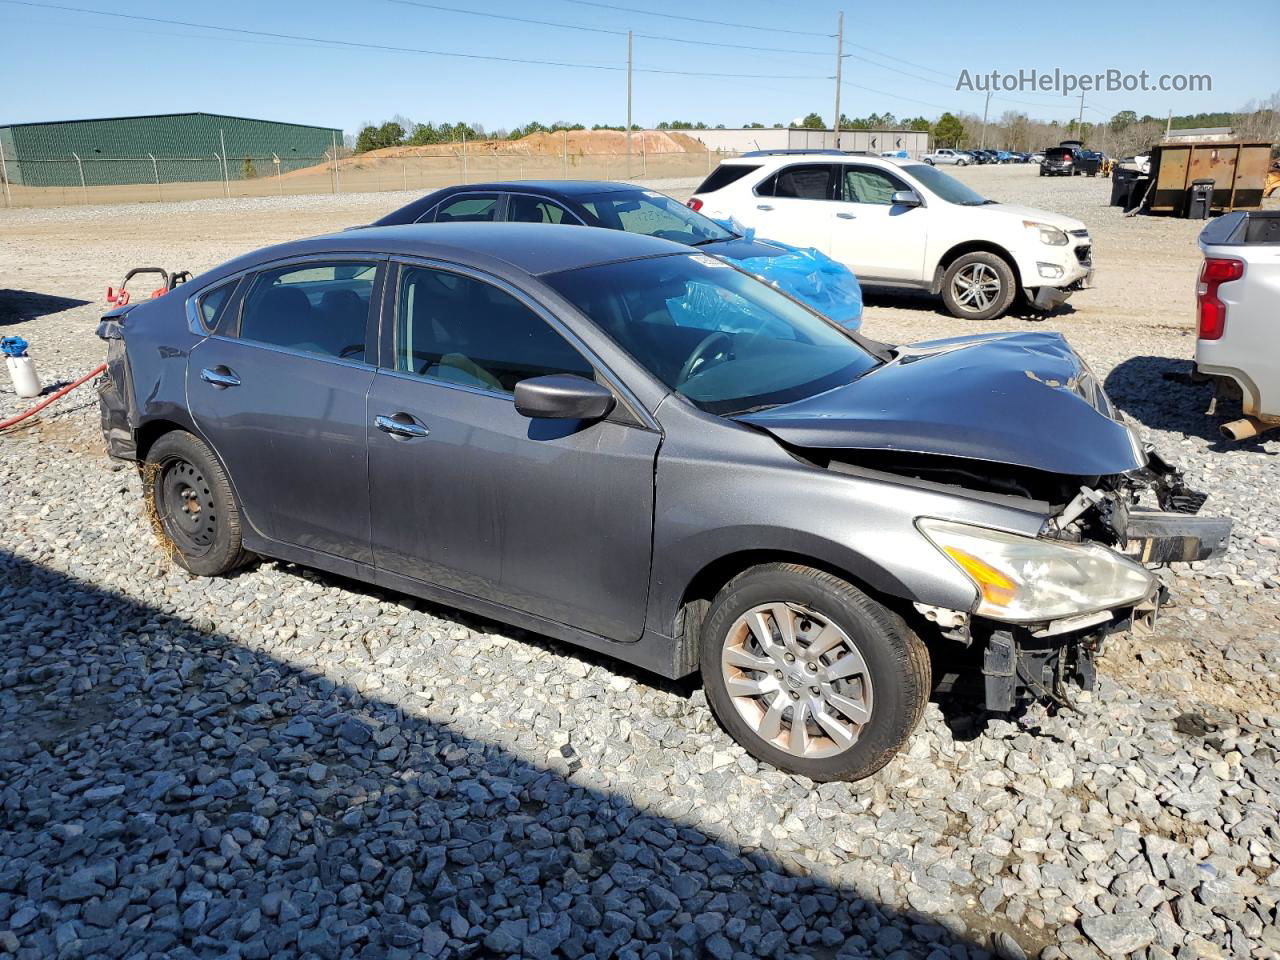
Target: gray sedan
column 632, row 446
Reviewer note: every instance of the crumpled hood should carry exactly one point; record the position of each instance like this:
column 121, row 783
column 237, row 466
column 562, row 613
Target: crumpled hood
column 1024, row 399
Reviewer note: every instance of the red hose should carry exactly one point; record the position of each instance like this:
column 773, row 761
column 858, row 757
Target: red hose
column 5, row 424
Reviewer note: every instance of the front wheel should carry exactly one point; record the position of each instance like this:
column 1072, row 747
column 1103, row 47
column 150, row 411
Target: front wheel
column 978, row 286
column 810, row 674
column 191, row 505
column 928, row 161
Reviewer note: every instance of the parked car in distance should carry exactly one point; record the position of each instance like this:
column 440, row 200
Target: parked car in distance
column 1035, row 157
column 825, row 286
column 1004, row 156
column 1237, row 302
column 1060, row 162
column 625, row 444
column 897, row 223
column 945, row 156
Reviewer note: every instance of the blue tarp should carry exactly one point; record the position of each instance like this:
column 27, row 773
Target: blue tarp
column 808, row 275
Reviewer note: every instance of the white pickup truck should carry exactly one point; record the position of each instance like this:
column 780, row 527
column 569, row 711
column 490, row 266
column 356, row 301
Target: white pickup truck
column 1238, row 305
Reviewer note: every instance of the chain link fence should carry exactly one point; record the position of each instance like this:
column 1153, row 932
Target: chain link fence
column 50, row 182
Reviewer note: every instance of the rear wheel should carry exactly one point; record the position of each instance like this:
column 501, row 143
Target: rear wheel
column 979, row 286
column 810, row 674
column 191, row 505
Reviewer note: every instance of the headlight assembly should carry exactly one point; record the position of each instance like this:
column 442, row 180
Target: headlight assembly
column 1028, row 579
column 1048, row 233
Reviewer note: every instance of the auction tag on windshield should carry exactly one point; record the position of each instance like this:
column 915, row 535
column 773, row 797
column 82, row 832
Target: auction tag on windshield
column 703, row 259
column 651, row 193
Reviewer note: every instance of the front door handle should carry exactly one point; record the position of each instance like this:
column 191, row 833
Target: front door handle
column 847, row 216
column 220, row 377
column 763, row 206
column 401, row 425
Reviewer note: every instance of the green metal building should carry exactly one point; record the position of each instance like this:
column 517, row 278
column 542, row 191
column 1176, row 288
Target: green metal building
column 167, row 147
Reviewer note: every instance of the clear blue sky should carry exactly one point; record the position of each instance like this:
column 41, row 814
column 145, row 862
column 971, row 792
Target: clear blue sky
column 60, row 64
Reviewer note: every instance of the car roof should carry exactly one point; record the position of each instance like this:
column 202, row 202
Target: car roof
column 564, row 188
column 534, row 248
column 786, row 160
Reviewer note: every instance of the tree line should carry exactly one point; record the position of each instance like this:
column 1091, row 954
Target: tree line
column 1124, row 134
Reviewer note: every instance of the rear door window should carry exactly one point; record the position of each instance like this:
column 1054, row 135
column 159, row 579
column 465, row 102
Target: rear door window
column 807, row 181
column 468, row 207
column 524, row 208
column 320, row 308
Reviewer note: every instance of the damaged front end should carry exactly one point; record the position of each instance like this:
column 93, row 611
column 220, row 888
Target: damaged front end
column 1038, row 659
column 1016, row 420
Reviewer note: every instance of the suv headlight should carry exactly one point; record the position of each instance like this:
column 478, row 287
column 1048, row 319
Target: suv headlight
column 1024, row 579
column 1048, row 233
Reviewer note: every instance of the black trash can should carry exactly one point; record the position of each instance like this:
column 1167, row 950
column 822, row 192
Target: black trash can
column 1199, row 199
column 1122, row 181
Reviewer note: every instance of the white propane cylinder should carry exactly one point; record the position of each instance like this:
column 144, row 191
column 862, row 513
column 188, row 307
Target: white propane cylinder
column 22, row 371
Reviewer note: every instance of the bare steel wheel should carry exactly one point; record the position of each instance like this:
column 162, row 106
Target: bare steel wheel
column 192, row 506
column 978, row 286
column 810, row 674
column 797, row 680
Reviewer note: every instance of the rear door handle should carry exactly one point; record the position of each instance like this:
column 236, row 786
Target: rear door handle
column 220, row 377
column 401, row 425
column 847, row 216
column 763, row 206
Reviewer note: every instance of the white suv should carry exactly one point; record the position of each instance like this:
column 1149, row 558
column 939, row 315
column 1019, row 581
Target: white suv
column 899, row 223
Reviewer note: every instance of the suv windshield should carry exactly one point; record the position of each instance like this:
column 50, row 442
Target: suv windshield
column 945, row 186
column 726, row 341
column 654, row 215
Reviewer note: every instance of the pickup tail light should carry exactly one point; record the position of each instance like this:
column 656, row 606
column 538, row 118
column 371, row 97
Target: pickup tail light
column 694, row 204
column 1213, row 312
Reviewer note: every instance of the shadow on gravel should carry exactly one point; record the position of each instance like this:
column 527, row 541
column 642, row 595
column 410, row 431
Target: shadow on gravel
column 165, row 791
column 18, row 306
column 908, row 298
column 1158, row 392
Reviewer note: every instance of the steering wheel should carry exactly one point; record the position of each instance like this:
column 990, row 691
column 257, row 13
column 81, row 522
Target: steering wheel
column 700, row 353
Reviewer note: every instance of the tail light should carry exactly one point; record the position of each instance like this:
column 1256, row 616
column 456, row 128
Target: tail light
column 694, row 204
column 1213, row 312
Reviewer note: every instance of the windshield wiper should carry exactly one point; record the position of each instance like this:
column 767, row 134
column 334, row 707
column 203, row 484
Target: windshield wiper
column 706, row 240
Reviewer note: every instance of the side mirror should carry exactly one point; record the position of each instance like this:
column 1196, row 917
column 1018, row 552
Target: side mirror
column 562, row 396
column 906, row 198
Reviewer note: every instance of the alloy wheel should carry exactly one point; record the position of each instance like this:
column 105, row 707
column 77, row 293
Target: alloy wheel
column 975, row 287
column 797, row 679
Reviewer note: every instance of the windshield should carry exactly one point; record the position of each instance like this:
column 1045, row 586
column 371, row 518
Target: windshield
column 654, row 215
column 944, row 186
column 726, row 341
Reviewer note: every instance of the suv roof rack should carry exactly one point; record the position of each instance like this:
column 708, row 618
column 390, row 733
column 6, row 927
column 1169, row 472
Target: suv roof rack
column 785, row 153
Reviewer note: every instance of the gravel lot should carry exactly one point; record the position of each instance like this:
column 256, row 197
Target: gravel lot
column 287, row 764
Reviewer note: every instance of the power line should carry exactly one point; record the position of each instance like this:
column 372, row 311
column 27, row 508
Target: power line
column 716, row 23
column 586, row 29
column 895, row 96
column 390, row 48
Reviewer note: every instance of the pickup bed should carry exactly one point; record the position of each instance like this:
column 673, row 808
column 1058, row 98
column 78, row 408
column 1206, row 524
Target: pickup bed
column 1238, row 303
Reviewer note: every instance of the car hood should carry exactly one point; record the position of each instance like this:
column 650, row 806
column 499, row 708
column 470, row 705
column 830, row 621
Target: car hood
column 1066, row 224
column 744, row 248
column 1023, row 399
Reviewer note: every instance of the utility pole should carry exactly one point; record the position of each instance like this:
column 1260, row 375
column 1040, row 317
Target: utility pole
column 1080, row 119
column 629, row 45
column 985, row 109
column 835, row 124
column 1168, row 124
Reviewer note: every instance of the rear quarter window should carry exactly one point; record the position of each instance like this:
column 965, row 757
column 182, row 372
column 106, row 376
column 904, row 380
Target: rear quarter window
column 724, row 175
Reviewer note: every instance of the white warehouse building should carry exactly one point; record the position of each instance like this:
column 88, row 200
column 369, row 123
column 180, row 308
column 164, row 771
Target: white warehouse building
column 915, row 142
